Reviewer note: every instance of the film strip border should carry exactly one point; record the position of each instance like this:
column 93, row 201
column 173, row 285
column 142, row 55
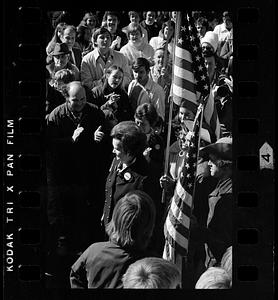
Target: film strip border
column 24, row 165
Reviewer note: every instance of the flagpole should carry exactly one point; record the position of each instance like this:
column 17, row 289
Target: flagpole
column 185, row 261
column 166, row 163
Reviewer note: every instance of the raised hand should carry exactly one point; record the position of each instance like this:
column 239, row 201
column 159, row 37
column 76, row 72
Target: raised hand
column 77, row 133
column 98, row 134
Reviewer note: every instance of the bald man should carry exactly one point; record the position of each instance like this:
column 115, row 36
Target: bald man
column 75, row 132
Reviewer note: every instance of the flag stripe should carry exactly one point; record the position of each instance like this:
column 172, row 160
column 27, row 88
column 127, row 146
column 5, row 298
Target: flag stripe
column 180, row 92
column 174, row 233
column 182, row 63
column 179, row 204
column 181, row 227
column 174, row 247
column 184, row 74
column 185, row 84
column 183, row 53
column 190, row 77
column 183, row 194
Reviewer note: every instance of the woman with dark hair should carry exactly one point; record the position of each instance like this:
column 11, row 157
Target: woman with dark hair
column 112, row 95
column 130, row 170
column 146, row 118
column 90, row 20
column 103, row 264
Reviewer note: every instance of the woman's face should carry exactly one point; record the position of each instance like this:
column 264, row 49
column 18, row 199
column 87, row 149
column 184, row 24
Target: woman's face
column 168, row 32
column 68, row 37
column 144, row 124
column 118, row 151
column 91, row 22
column 185, row 114
column 115, row 78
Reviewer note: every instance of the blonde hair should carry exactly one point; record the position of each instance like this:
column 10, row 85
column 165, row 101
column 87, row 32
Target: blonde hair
column 227, row 261
column 214, row 278
column 151, row 273
column 132, row 221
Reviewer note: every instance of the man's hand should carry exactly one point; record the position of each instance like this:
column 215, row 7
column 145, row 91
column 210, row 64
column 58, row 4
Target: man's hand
column 98, row 135
column 166, row 181
column 116, row 42
column 76, row 133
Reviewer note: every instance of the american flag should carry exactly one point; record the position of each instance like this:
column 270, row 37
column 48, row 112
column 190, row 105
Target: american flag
column 190, row 74
column 177, row 224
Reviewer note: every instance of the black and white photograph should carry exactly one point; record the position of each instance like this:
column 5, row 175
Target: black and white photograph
column 138, row 182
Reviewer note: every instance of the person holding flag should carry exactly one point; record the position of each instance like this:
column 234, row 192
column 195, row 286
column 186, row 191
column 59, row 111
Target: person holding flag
column 190, row 82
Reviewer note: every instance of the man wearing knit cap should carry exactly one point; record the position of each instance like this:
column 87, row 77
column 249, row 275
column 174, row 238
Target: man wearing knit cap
column 209, row 43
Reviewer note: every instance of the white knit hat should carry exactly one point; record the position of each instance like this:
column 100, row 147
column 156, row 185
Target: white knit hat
column 210, row 38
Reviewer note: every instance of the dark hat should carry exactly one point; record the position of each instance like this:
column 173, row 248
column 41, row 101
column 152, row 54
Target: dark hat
column 222, row 149
column 60, row 49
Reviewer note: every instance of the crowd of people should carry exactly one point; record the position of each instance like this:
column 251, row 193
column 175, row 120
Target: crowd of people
column 108, row 97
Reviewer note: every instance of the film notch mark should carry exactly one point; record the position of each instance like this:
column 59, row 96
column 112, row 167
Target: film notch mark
column 30, row 125
column 29, row 236
column 29, row 272
column 29, row 199
column 29, row 52
column 30, row 88
column 30, row 14
column 29, row 162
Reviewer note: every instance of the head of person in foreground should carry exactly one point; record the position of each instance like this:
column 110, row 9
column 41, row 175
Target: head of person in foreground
column 152, row 273
column 132, row 222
